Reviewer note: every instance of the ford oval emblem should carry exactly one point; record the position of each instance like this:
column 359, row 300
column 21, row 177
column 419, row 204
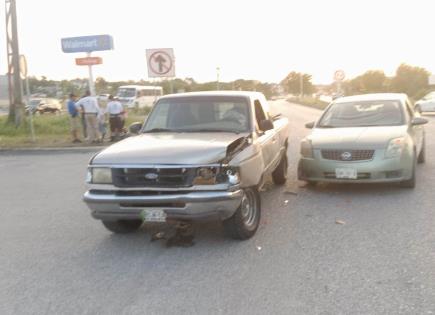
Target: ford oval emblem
column 151, row 176
column 346, row 156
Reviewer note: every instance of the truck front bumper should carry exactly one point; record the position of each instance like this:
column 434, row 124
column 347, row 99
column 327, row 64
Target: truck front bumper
column 201, row 205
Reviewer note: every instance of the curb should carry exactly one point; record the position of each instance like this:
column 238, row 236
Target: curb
column 52, row 149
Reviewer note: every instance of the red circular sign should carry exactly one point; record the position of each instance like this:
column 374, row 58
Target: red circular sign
column 160, row 62
column 339, row 75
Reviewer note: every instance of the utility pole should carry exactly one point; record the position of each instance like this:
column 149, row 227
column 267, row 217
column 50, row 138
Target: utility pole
column 217, row 77
column 16, row 107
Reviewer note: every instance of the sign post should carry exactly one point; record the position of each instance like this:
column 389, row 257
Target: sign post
column 339, row 76
column 88, row 44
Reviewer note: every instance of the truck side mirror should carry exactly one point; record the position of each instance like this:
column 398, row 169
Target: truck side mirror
column 309, row 125
column 419, row 121
column 135, row 128
column 266, row 124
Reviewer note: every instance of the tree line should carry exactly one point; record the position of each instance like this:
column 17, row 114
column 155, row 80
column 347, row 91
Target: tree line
column 78, row 86
column 414, row 81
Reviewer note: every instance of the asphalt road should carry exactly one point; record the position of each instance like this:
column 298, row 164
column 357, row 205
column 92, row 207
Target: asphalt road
column 55, row 259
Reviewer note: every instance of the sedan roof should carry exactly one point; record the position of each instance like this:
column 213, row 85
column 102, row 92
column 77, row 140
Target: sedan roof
column 372, row 97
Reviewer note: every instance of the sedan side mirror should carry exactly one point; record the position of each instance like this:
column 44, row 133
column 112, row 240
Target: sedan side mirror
column 309, row 125
column 266, row 124
column 419, row 121
column 135, row 128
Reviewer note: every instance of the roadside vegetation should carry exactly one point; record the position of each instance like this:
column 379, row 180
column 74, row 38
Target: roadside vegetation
column 308, row 101
column 50, row 130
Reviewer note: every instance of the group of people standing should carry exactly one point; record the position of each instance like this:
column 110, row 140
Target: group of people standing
column 88, row 113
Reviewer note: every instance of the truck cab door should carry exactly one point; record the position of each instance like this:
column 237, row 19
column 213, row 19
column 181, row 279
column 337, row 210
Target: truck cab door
column 267, row 138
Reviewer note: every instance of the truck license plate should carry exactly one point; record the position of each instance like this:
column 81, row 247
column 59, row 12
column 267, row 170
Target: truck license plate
column 153, row 215
column 346, row 173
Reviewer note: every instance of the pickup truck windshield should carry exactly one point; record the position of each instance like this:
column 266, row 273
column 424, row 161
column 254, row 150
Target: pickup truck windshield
column 362, row 114
column 199, row 114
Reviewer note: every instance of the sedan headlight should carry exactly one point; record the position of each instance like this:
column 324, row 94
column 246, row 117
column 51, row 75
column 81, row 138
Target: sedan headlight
column 395, row 148
column 306, row 148
column 99, row 175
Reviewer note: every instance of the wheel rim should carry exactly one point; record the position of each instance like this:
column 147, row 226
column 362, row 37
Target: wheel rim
column 249, row 209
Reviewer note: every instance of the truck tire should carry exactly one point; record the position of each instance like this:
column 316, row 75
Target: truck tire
column 410, row 183
column 279, row 175
column 245, row 221
column 122, row 226
column 422, row 155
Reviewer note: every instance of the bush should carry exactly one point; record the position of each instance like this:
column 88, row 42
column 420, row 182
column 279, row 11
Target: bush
column 309, row 101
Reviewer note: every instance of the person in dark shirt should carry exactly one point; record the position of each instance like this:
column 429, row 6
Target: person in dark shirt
column 74, row 118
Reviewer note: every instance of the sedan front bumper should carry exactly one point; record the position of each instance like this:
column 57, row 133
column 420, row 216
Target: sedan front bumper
column 377, row 170
column 113, row 205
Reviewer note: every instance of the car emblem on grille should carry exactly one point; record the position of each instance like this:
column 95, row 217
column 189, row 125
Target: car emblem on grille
column 151, row 176
column 346, row 156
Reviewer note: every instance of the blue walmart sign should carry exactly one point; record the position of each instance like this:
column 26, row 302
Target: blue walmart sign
column 87, row 43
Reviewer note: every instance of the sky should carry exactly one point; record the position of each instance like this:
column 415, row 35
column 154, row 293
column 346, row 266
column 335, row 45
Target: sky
column 257, row 39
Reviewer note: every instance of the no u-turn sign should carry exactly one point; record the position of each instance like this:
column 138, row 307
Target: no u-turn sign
column 160, row 62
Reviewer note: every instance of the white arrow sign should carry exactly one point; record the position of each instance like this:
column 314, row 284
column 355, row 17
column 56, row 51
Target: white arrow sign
column 161, row 63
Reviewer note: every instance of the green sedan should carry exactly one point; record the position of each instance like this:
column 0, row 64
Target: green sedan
column 370, row 138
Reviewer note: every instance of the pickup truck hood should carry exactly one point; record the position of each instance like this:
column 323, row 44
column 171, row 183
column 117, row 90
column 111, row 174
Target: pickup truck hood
column 356, row 137
column 169, row 148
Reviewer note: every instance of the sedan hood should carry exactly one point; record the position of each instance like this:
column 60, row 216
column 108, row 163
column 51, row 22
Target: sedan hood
column 356, row 137
column 169, row 148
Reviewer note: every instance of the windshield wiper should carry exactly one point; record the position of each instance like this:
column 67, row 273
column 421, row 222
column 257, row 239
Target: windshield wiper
column 209, row 130
column 160, row 130
column 327, row 126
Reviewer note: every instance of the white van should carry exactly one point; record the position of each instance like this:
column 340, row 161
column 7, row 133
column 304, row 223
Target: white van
column 139, row 96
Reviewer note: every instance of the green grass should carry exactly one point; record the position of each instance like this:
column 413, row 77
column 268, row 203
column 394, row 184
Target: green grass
column 309, row 101
column 50, row 130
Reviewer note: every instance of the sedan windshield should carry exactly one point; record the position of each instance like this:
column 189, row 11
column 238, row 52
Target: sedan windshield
column 362, row 114
column 200, row 114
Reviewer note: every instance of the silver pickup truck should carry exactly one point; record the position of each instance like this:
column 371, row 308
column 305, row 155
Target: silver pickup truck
column 197, row 156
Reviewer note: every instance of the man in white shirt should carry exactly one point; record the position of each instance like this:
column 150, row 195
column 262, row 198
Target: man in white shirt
column 115, row 111
column 91, row 110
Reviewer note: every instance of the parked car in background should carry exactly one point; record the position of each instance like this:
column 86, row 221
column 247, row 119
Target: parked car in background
column 364, row 139
column 139, row 96
column 426, row 104
column 198, row 156
column 44, row 105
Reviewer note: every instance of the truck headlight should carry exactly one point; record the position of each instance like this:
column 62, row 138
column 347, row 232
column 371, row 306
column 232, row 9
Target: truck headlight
column 216, row 175
column 233, row 176
column 306, row 148
column 99, row 175
column 395, row 148
column 205, row 176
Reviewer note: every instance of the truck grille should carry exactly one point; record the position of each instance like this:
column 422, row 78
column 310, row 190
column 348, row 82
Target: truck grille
column 348, row 155
column 153, row 177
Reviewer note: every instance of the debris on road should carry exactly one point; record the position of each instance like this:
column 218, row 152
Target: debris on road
column 182, row 237
column 340, row 222
column 158, row 236
column 285, row 202
column 259, row 248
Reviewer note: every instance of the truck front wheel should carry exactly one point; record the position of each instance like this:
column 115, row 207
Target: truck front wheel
column 122, row 226
column 245, row 221
column 279, row 175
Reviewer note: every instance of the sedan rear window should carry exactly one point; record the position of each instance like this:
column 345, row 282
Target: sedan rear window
column 363, row 114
